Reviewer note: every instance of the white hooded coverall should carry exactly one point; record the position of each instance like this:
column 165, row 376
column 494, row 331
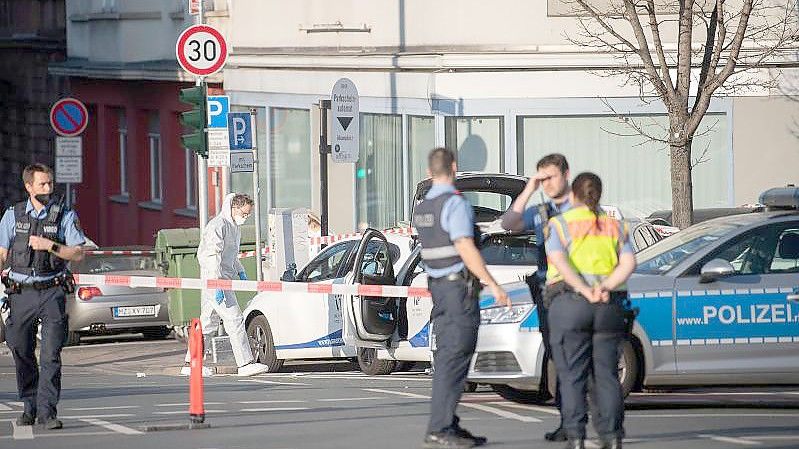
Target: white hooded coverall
column 218, row 258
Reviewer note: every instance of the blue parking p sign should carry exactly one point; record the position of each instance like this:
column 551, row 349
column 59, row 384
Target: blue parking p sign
column 239, row 127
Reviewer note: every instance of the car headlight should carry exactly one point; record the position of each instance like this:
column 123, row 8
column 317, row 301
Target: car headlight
column 498, row 315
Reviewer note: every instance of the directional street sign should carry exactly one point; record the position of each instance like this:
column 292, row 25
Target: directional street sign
column 201, row 50
column 218, row 146
column 68, row 159
column 69, row 117
column 344, row 107
column 240, row 131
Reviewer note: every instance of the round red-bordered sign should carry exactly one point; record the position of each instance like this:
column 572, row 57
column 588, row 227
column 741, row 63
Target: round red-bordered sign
column 201, row 50
column 69, row 117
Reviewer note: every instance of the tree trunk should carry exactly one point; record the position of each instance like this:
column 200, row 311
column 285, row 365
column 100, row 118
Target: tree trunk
column 682, row 201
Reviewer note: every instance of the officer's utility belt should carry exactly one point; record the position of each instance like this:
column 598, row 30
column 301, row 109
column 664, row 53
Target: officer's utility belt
column 462, row 275
column 66, row 281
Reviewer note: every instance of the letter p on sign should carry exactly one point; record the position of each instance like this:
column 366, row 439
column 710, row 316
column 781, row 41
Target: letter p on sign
column 240, row 131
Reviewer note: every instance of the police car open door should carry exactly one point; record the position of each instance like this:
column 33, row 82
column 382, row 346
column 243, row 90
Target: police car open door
column 370, row 321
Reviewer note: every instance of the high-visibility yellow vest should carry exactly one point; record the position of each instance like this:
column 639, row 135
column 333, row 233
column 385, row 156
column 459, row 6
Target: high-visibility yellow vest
column 592, row 243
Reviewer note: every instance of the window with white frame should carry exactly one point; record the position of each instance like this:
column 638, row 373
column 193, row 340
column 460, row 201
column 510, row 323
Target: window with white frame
column 421, row 139
column 122, row 142
column 378, row 175
column 479, row 143
column 191, row 178
column 290, row 157
column 156, row 159
column 635, row 171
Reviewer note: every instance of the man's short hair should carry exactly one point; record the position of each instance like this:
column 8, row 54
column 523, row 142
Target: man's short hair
column 241, row 200
column 30, row 170
column 556, row 159
column 439, row 162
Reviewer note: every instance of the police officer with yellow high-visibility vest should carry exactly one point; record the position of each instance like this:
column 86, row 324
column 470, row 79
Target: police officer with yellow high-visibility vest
column 589, row 256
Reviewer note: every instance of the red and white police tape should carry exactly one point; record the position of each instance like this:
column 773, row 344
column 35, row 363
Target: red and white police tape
column 118, row 253
column 390, row 291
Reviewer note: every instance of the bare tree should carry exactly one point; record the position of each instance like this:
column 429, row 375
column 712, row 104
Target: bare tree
column 661, row 45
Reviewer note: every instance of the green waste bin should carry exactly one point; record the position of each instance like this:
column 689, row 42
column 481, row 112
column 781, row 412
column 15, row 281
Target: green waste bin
column 176, row 254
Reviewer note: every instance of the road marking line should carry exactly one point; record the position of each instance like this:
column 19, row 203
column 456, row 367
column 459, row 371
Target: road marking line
column 274, row 409
column 21, row 432
column 739, row 441
column 485, row 408
column 4, row 407
column 271, row 402
column 770, row 437
column 186, row 404
column 527, row 407
column 17, row 404
column 272, row 382
column 398, row 393
column 708, row 415
column 83, row 409
column 111, row 426
column 119, row 415
column 179, row 412
column 351, row 399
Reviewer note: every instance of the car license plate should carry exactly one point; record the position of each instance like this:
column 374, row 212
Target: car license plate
column 134, row 311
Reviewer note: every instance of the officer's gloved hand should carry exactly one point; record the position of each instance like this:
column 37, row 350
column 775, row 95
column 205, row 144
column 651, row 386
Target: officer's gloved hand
column 243, row 275
column 220, row 296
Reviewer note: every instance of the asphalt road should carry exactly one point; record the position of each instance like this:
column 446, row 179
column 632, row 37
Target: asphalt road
column 113, row 391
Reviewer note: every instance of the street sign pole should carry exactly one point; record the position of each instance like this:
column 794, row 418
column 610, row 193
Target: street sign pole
column 256, row 189
column 202, row 163
column 324, row 150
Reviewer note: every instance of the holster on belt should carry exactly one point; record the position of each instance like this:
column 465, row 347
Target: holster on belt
column 12, row 287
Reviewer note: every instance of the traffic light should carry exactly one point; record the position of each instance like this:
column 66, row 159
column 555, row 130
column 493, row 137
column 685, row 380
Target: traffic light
column 196, row 118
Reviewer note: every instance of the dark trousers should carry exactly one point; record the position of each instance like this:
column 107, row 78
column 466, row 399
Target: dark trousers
column 39, row 391
column 455, row 319
column 585, row 340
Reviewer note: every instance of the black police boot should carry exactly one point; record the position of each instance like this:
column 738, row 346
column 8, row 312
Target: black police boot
column 447, row 440
column 25, row 420
column 610, row 443
column 556, row 435
column 51, row 423
column 463, row 433
column 577, row 443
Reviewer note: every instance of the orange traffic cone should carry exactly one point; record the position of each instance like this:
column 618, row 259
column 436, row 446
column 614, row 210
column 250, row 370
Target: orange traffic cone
column 196, row 351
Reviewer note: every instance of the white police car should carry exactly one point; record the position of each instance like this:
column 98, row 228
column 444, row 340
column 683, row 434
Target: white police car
column 718, row 301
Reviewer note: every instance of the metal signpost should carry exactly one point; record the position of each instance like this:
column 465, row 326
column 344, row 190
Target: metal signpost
column 345, row 145
column 69, row 118
column 201, row 50
column 244, row 159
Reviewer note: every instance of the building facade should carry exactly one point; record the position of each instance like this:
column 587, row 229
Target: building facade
column 121, row 63
column 32, row 35
column 499, row 83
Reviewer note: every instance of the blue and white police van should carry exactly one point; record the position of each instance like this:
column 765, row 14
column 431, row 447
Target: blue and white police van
column 718, row 302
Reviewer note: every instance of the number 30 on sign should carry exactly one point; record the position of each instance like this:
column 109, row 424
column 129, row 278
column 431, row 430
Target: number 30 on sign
column 201, row 50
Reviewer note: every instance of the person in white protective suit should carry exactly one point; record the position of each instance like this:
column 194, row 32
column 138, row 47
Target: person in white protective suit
column 218, row 258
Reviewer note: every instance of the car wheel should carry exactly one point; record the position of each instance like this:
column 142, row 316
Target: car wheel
column 371, row 365
column 262, row 344
column 156, row 333
column 628, row 367
column 521, row 396
column 469, row 387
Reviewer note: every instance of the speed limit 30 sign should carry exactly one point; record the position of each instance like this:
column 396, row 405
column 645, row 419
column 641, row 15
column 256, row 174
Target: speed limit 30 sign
column 201, row 50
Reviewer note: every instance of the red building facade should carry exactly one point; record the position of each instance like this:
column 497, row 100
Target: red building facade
column 138, row 178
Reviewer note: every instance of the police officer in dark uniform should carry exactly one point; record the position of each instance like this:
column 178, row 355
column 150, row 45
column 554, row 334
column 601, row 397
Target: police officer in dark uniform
column 552, row 177
column 445, row 223
column 37, row 238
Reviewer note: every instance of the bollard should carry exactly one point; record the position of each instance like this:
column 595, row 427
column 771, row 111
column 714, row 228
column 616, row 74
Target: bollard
column 196, row 350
